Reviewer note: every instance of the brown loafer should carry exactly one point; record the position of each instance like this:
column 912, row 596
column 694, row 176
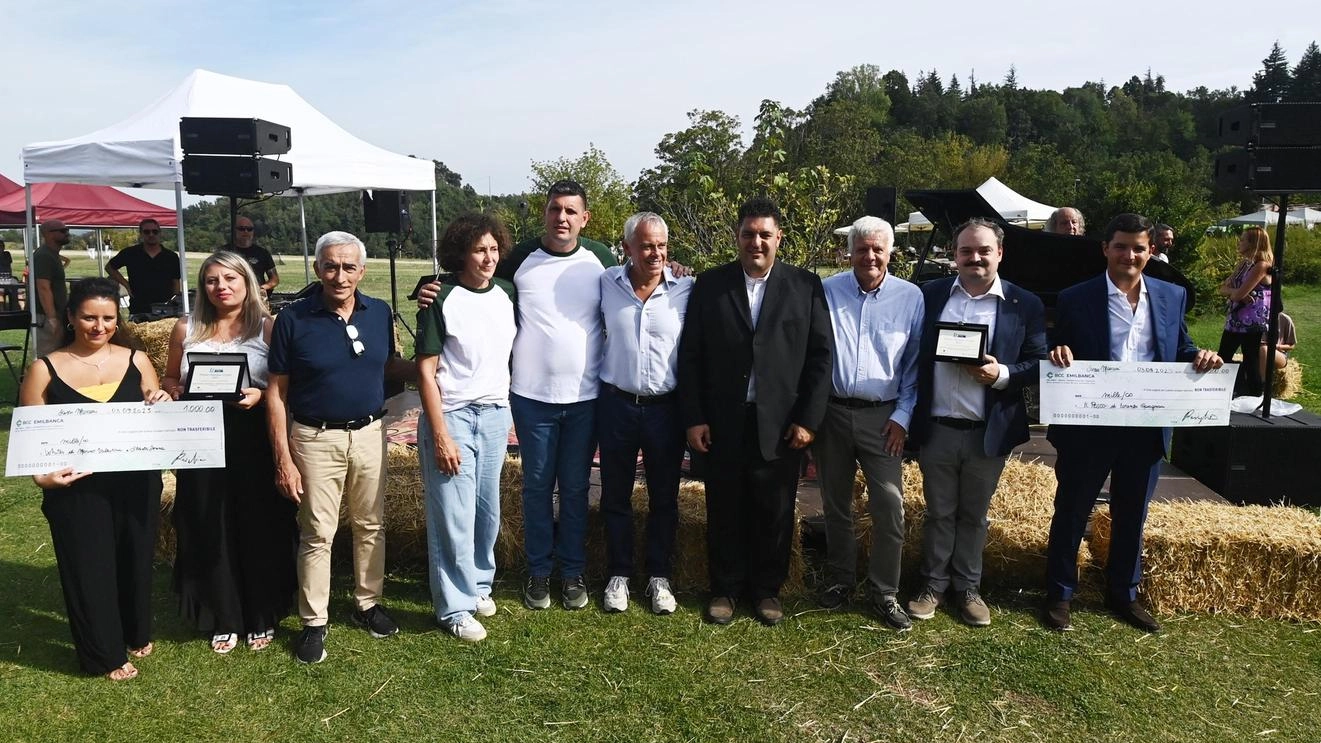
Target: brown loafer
column 720, row 610
column 1056, row 616
column 769, row 611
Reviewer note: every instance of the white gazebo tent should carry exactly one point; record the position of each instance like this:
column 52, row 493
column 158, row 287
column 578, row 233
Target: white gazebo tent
column 1309, row 215
column 143, row 151
column 1265, row 218
column 1011, row 205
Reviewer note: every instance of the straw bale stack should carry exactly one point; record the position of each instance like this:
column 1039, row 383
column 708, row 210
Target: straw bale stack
column 1288, row 381
column 1019, row 530
column 1254, row 561
column 165, row 538
column 155, row 339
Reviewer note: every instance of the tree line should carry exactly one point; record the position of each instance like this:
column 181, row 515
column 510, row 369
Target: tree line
column 1103, row 148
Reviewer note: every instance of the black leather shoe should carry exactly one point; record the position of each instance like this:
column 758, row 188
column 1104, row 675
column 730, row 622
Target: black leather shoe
column 769, row 611
column 1134, row 613
column 1056, row 616
column 720, row 610
column 834, row 597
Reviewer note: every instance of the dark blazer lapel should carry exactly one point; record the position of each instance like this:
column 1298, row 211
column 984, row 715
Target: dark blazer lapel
column 1006, row 327
column 772, row 298
column 1160, row 308
column 737, row 293
column 1101, row 318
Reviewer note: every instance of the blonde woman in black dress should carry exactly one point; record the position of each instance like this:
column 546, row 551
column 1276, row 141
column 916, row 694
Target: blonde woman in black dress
column 237, row 537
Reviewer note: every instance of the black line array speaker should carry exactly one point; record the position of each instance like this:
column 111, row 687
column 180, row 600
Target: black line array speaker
column 881, row 202
column 386, row 211
column 1296, row 124
column 226, row 136
column 1255, row 460
column 221, row 175
column 1271, row 169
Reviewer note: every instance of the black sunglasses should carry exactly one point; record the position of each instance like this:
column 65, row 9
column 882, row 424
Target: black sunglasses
column 244, row 229
column 150, row 232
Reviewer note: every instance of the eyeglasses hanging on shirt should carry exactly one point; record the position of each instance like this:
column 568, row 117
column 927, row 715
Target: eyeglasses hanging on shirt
column 358, row 348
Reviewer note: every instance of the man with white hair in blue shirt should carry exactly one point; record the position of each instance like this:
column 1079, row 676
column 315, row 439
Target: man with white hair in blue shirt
column 643, row 306
column 877, row 320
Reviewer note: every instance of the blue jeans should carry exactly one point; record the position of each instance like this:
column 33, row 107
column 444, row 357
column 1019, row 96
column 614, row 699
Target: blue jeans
column 463, row 510
column 623, row 428
column 556, row 443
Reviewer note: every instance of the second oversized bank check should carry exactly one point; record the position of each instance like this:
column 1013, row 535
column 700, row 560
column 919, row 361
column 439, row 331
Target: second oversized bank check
column 1135, row 393
column 116, row 437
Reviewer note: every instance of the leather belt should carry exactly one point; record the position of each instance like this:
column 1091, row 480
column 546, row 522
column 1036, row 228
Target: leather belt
column 854, row 403
column 352, row 425
column 641, row 399
column 961, row 424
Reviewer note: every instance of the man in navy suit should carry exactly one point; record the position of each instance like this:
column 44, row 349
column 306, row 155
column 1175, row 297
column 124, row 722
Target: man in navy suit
column 970, row 416
column 1117, row 316
column 754, row 376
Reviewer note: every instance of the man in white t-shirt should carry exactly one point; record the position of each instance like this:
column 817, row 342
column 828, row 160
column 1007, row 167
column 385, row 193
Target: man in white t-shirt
column 555, row 379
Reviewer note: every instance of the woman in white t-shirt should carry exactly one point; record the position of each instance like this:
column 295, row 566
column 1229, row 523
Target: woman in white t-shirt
column 464, row 342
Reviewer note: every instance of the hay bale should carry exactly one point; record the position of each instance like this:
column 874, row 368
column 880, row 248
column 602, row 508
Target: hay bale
column 1287, row 381
column 166, row 541
column 155, row 339
column 1253, row 561
column 1017, row 537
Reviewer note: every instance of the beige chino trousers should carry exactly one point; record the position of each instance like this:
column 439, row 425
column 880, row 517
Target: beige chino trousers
column 335, row 465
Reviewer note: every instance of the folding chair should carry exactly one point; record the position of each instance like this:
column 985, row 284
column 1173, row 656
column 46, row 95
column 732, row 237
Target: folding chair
column 19, row 320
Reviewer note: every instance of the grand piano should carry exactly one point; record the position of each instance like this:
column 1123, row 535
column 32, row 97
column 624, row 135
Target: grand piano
column 1041, row 262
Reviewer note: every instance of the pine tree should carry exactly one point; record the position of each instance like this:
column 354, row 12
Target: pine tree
column 1306, row 83
column 1272, row 83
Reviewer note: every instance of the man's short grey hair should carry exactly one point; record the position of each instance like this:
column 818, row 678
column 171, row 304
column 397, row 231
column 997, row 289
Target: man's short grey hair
column 1053, row 222
column 641, row 218
column 331, row 239
column 866, row 227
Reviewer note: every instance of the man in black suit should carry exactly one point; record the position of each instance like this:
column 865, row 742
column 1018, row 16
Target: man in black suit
column 970, row 416
column 754, row 376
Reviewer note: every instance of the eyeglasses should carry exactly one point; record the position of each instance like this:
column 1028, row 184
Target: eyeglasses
column 244, row 229
column 150, row 232
column 352, row 332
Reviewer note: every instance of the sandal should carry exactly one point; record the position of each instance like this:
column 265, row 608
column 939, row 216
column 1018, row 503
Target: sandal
column 123, row 673
column 141, row 652
column 223, row 642
column 258, row 641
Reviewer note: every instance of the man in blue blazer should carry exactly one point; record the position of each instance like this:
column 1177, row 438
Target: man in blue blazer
column 1117, row 316
column 969, row 417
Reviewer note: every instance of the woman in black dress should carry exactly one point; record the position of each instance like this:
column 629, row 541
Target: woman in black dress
column 103, row 525
column 237, row 536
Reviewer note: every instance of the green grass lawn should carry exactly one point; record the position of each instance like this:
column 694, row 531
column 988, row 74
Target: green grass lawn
column 589, row 676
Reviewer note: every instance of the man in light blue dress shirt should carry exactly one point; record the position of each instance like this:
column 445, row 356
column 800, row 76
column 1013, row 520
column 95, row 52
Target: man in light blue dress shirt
column 643, row 306
column 877, row 321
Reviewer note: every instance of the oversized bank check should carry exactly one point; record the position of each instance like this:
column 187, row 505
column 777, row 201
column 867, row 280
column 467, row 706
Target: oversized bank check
column 116, row 437
column 1136, row 393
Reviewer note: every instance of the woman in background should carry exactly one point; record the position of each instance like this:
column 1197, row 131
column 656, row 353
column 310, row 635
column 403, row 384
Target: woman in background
column 1249, row 294
column 237, row 537
column 102, row 525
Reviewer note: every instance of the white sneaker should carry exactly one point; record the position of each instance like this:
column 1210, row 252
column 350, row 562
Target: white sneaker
column 467, row 629
column 485, row 606
column 662, row 598
column 616, row 594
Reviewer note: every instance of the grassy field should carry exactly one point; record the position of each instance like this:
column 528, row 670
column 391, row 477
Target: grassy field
column 589, row 676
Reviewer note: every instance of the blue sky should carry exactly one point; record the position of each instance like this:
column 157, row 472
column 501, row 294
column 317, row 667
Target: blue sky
column 488, row 87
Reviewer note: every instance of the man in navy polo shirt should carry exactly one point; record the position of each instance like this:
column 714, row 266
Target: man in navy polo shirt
column 328, row 360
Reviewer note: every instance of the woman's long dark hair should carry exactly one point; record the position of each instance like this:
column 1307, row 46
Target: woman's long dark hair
column 84, row 289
